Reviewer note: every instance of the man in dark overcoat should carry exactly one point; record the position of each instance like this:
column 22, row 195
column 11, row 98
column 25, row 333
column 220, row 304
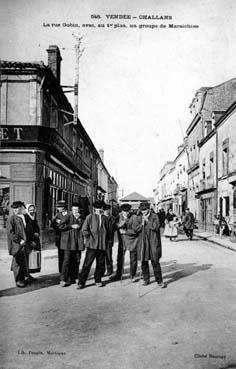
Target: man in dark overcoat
column 61, row 213
column 110, row 237
column 17, row 243
column 95, row 232
column 150, row 244
column 188, row 223
column 72, row 243
column 124, row 215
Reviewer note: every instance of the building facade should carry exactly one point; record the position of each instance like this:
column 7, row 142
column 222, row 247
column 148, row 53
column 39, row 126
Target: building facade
column 44, row 157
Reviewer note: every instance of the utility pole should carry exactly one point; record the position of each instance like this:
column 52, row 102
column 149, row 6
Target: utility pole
column 78, row 54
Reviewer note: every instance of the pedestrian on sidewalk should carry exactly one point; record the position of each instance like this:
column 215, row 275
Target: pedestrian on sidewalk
column 17, row 245
column 72, row 244
column 61, row 213
column 188, row 223
column 170, row 230
column 33, row 241
column 110, row 238
column 150, row 247
column 95, row 231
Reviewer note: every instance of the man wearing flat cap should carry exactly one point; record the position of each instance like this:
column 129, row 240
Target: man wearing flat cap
column 150, row 244
column 128, row 234
column 17, row 243
column 95, row 232
column 72, row 244
column 61, row 213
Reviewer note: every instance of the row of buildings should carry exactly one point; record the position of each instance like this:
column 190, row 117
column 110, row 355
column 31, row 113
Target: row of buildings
column 44, row 157
column 203, row 174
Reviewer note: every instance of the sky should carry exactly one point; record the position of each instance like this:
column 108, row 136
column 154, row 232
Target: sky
column 135, row 85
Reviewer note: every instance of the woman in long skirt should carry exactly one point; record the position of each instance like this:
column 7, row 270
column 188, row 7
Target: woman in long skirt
column 171, row 222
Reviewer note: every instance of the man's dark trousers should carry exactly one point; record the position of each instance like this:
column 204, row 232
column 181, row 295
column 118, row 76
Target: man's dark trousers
column 156, row 269
column 18, row 267
column 60, row 254
column 70, row 266
column 91, row 255
column 109, row 261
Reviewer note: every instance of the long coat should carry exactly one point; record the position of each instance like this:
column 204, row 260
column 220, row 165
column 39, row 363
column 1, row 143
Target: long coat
column 31, row 229
column 71, row 239
column 15, row 234
column 96, row 235
column 149, row 246
column 189, row 220
column 132, row 230
column 112, row 227
column 55, row 225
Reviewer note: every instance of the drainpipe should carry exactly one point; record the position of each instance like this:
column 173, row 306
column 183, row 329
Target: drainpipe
column 217, row 169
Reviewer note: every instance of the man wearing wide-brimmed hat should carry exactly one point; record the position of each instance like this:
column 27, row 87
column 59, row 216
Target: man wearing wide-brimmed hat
column 110, row 239
column 95, row 232
column 150, row 245
column 61, row 213
column 17, row 243
column 72, row 244
column 127, row 240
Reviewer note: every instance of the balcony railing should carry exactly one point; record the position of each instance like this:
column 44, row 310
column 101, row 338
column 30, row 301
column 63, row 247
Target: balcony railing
column 44, row 138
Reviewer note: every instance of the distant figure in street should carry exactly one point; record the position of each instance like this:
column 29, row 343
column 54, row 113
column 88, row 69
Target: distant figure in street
column 72, row 244
column 61, row 213
column 95, row 232
column 162, row 217
column 171, row 225
column 150, row 244
column 188, row 223
column 110, row 238
column 17, row 246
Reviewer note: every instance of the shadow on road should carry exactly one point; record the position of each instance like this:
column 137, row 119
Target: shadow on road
column 43, row 281
column 176, row 271
column 172, row 271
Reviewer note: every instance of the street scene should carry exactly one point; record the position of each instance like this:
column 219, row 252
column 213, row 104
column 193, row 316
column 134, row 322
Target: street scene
column 184, row 325
column 118, row 184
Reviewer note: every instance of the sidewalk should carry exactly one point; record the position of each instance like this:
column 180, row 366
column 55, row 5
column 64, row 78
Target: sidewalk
column 217, row 240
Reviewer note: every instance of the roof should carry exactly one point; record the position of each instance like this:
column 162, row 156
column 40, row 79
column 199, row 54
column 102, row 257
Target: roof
column 134, row 196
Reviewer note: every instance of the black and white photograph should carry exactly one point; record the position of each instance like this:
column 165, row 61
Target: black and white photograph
column 118, row 184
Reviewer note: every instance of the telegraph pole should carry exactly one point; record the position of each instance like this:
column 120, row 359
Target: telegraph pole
column 78, row 54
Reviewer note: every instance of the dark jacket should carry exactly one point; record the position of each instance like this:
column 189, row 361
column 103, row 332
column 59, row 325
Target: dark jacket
column 71, row 239
column 131, row 228
column 149, row 246
column 189, row 220
column 55, row 225
column 170, row 217
column 95, row 234
column 112, row 227
column 31, row 229
column 15, row 234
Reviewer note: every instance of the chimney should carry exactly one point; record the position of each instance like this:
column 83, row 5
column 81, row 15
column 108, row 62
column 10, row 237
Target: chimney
column 54, row 61
column 101, row 153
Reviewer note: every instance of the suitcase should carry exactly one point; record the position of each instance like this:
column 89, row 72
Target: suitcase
column 34, row 261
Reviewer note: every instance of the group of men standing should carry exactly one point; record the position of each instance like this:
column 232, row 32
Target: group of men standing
column 138, row 233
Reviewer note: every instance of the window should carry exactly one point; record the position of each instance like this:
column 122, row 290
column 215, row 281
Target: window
column 211, row 166
column 227, row 206
column 4, row 171
column 204, row 169
column 225, row 157
column 208, row 127
column 81, row 144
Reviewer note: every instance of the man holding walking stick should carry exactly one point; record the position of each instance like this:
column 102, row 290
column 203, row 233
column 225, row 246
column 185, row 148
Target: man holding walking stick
column 150, row 244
